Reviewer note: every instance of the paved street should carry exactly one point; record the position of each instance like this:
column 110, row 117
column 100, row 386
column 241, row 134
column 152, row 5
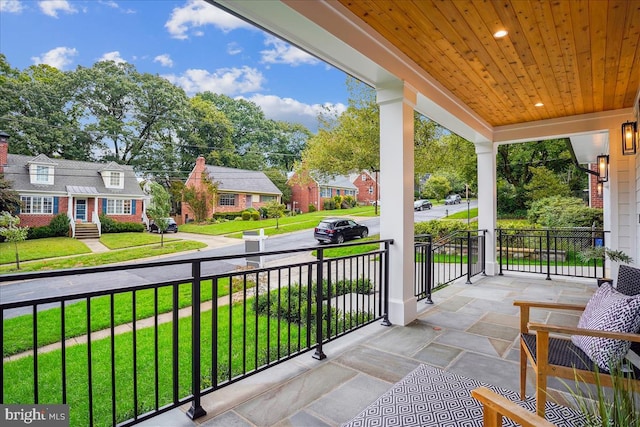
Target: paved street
column 217, row 246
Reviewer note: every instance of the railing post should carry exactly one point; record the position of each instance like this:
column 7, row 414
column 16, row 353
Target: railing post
column 385, row 320
column 484, row 251
column 500, row 250
column 548, row 255
column 196, row 410
column 319, row 354
column 604, row 258
column 468, row 258
column 428, row 270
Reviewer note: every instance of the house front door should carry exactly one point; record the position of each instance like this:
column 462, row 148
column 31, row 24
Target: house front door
column 81, row 210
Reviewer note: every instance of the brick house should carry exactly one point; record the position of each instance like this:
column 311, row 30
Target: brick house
column 81, row 190
column 238, row 189
column 368, row 185
column 309, row 190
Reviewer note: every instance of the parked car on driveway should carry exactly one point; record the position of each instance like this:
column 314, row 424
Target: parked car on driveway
column 337, row 230
column 452, row 199
column 420, row 205
column 172, row 227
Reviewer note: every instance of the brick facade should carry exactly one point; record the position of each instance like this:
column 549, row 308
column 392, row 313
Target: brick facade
column 595, row 199
column 368, row 191
column 242, row 199
column 304, row 192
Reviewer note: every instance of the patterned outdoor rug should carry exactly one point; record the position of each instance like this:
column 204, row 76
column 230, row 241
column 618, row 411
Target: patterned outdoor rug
column 430, row 397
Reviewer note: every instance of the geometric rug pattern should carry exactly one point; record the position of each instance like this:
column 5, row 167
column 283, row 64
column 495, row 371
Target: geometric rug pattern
column 431, row 397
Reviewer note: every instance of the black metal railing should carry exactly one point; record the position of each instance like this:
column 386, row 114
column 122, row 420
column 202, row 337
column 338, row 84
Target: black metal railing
column 439, row 263
column 161, row 334
column 549, row 251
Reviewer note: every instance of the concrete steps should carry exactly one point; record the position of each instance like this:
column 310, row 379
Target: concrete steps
column 87, row 230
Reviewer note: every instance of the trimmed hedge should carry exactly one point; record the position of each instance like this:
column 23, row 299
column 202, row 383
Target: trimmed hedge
column 58, row 227
column 108, row 225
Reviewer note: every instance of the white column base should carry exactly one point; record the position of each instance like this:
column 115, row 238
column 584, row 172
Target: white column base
column 402, row 312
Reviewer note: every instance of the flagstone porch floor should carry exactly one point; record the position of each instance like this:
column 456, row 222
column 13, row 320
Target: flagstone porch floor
column 471, row 330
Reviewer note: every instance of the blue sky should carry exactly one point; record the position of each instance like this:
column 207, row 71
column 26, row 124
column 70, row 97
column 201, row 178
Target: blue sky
column 190, row 42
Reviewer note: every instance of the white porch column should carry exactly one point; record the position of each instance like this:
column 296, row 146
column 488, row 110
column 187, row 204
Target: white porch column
column 396, row 219
column 487, row 201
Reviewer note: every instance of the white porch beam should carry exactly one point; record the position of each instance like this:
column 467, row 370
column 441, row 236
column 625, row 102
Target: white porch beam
column 396, row 220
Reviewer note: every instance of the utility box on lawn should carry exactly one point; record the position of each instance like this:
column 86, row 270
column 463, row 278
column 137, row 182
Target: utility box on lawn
column 254, row 242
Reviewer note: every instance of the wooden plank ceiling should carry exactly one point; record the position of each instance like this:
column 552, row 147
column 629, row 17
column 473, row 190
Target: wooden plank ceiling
column 573, row 56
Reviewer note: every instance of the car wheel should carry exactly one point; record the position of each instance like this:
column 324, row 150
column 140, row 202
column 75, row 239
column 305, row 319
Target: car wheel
column 340, row 239
column 364, row 234
column 320, row 241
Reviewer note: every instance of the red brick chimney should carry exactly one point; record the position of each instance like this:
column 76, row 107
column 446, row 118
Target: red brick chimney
column 4, row 150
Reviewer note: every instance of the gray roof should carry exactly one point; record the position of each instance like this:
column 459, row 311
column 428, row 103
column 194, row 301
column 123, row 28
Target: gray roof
column 242, row 181
column 339, row 181
column 70, row 175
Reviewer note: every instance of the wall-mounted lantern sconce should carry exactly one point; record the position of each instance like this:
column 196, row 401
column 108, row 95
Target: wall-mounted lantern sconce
column 599, row 189
column 629, row 138
column 603, row 168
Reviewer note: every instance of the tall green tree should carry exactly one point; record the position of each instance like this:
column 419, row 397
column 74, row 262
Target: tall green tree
column 159, row 208
column 350, row 141
column 516, row 162
column 545, row 183
column 131, row 116
column 39, row 111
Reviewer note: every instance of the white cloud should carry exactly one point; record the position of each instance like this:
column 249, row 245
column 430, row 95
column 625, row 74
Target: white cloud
column 228, row 81
column 233, row 48
column 283, row 53
column 291, row 110
column 112, row 4
column 11, row 6
column 59, row 57
column 196, row 14
column 164, row 60
column 112, row 56
column 52, row 7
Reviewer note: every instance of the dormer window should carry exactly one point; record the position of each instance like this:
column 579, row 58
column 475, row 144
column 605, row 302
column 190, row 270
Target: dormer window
column 115, row 179
column 41, row 174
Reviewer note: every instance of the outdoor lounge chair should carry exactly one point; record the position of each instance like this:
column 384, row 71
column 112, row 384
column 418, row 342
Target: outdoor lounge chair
column 560, row 357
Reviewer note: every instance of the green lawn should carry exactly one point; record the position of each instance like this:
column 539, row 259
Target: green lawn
column 473, row 212
column 41, row 248
column 128, row 240
column 93, row 260
column 352, row 250
column 18, row 377
column 18, row 330
column 285, row 224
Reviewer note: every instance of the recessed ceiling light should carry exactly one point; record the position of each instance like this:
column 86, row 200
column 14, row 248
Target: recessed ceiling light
column 499, row 34
column 539, row 104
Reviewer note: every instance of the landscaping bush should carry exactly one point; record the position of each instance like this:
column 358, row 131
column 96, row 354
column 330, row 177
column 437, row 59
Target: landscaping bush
column 230, row 216
column 108, row 225
column 255, row 216
column 349, row 202
column 39, row 232
column 557, row 211
column 59, row 225
column 246, row 215
column 438, row 229
column 311, row 207
column 328, row 204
